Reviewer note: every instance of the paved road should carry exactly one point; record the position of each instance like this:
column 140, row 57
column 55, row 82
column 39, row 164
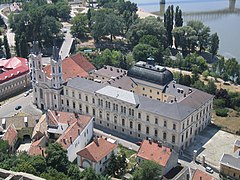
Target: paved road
column 67, row 43
column 8, row 108
column 10, row 34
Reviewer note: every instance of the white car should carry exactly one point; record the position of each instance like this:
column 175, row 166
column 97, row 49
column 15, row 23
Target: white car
column 26, row 94
column 208, row 169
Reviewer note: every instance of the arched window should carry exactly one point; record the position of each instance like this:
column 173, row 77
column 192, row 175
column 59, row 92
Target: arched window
column 131, row 124
column 59, row 69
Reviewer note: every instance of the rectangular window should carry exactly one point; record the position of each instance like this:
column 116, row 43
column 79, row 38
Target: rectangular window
column 155, row 132
column 147, row 130
column 86, row 98
column 173, row 139
column 164, row 136
column 174, row 126
column 94, row 112
column 93, row 100
column 73, row 94
column 79, row 96
column 156, row 120
column 123, row 122
column 87, row 110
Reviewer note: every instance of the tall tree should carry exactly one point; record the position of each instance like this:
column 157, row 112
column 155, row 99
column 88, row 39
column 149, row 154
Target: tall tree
column 214, row 44
column 6, row 46
column 80, row 26
column 178, row 17
column 168, row 23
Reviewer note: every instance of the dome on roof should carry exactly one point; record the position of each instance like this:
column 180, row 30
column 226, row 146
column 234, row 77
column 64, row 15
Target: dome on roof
column 154, row 74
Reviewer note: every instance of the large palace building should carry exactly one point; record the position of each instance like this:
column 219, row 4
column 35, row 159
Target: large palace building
column 144, row 102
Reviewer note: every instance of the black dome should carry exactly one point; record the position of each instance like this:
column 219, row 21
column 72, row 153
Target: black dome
column 154, row 74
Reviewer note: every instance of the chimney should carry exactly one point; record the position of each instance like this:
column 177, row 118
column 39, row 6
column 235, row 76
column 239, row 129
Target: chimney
column 150, row 140
column 96, row 141
column 71, row 139
column 64, row 141
column 56, row 113
column 68, row 122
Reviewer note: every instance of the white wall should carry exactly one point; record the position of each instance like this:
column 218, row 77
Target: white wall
column 80, row 142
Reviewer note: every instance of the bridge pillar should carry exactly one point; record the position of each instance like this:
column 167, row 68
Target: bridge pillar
column 232, row 4
column 162, row 2
column 162, row 9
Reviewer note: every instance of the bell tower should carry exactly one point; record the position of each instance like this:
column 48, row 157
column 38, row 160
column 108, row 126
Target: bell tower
column 57, row 78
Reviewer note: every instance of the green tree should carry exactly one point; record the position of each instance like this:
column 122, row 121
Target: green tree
column 39, row 163
column 168, row 23
column 147, row 26
column 211, row 87
column 25, row 167
column 178, row 17
column 23, row 46
column 90, row 174
column 147, row 170
column 202, row 33
column 57, row 157
column 63, row 10
column 6, row 46
column 53, row 174
column 74, row 172
column 232, row 68
column 142, row 51
column 205, row 74
column 3, row 150
column 80, row 26
column 214, row 44
column 112, row 167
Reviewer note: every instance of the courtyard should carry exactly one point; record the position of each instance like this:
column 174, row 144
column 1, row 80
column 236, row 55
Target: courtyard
column 212, row 142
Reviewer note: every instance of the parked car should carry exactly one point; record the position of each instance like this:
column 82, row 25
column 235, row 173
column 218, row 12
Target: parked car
column 26, row 94
column 18, row 107
column 209, row 169
column 30, row 90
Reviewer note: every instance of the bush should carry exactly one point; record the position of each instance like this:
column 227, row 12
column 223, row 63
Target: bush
column 219, row 103
column 222, row 112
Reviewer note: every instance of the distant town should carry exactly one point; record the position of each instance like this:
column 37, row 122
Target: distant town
column 101, row 90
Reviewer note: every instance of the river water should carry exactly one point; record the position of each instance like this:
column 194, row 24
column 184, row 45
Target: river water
column 222, row 16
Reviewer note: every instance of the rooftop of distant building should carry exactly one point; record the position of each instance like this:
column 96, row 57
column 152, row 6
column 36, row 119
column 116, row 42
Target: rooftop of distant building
column 12, row 68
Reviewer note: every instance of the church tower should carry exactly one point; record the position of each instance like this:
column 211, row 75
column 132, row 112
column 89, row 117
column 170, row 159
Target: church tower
column 57, row 78
column 37, row 75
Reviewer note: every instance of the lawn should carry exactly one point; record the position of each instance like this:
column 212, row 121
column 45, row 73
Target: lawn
column 230, row 123
column 129, row 154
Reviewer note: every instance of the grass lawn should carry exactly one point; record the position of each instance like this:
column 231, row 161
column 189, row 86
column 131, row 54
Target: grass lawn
column 230, row 123
column 129, row 154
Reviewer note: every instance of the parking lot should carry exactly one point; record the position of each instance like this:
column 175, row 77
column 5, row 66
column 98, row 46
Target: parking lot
column 212, row 143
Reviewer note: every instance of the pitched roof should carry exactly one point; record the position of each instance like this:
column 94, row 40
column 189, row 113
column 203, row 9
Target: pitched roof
column 119, row 94
column 38, row 147
column 10, row 135
column 74, row 66
column 231, row 161
column 200, row 174
column 152, row 151
column 96, row 151
column 110, row 72
column 13, row 67
column 72, row 132
column 83, row 62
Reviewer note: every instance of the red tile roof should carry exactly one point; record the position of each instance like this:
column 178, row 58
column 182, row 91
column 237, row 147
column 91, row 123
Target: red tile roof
column 55, row 117
column 10, row 135
column 36, row 149
column 76, row 125
column 74, row 66
column 83, row 62
column 13, row 67
column 204, row 176
column 97, row 151
column 151, row 151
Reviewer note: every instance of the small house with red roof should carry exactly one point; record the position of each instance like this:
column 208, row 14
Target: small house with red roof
column 73, row 131
column 96, row 154
column 14, row 76
column 164, row 156
column 11, row 136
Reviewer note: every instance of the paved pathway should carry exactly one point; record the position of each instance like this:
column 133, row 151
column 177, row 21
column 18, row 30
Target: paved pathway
column 67, row 43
